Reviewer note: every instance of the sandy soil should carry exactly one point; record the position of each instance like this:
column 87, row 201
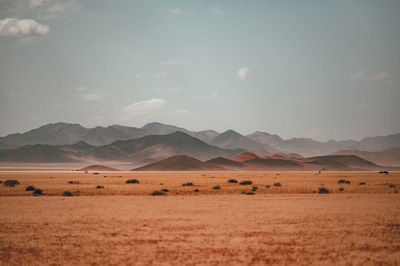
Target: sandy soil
column 278, row 225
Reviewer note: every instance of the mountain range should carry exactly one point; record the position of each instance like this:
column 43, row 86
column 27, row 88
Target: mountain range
column 254, row 162
column 75, row 142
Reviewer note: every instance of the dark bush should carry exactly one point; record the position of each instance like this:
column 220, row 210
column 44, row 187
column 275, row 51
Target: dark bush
column 95, row 173
column 216, row 187
column 347, row 182
column 341, row 181
column 29, row 188
column 11, row 183
column 323, row 190
column 392, row 185
column 164, row 190
column 1, row 181
column 187, row 184
column 268, row 186
column 254, row 188
column 67, row 194
column 341, row 189
column 250, row 193
column 361, row 183
column 277, row 184
column 384, row 172
column 232, row 181
column 37, row 192
column 73, row 182
column 99, row 187
column 158, row 193
column 246, row 182
column 132, row 181
column 196, row 190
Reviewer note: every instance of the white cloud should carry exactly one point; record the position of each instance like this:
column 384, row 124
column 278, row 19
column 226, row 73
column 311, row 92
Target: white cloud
column 22, row 27
column 177, row 11
column 357, row 76
column 241, row 74
column 58, row 9
column 217, row 11
column 87, row 94
column 171, row 62
column 380, row 76
column 161, row 74
column 145, row 107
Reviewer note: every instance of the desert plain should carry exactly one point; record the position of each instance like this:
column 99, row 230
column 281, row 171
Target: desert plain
column 278, row 219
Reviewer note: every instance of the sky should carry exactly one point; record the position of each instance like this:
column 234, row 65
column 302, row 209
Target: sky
column 320, row 69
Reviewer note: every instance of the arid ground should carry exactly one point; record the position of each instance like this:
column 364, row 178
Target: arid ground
column 355, row 223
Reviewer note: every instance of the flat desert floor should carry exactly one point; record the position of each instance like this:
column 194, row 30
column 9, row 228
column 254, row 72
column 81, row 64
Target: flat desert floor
column 357, row 223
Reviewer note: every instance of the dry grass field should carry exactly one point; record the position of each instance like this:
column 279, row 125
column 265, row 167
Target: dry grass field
column 121, row 224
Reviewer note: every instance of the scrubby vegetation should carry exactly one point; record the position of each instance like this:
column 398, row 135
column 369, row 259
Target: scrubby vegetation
column 158, row 193
column 67, row 194
column 323, row 190
column 216, row 187
column 232, row 181
column 246, row 182
column 37, row 192
column 29, row 188
column 99, row 187
column 132, row 181
column 187, row 184
column 277, row 184
column 11, row 183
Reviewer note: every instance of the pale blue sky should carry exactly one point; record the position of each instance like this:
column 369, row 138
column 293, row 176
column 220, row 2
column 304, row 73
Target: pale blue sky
column 320, row 69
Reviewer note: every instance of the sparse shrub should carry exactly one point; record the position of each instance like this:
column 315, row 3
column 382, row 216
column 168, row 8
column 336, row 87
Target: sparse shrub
column 164, row 190
column 11, row 183
column 132, row 181
column 341, row 181
column 196, row 190
column 217, row 187
column 250, row 193
column 341, row 189
column 361, row 183
column 67, row 194
column 384, row 172
column 254, row 188
column 187, row 184
column 268, row 186
column 73, row 182
column 314, row 191
column 232, row 181
column 99, row 187
column 323, row 190
column 347, row 182
column 29, row 188
column 95, row 173
column 392, row 185
column 1, row 181
column 246, row 182
column 158, row 193
column 277, row 184
column 37, row 192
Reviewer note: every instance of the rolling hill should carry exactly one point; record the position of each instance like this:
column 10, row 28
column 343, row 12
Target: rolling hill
column 389, row 157
column 179, row 163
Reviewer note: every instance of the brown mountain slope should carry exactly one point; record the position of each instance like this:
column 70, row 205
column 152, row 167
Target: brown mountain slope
column 179, row 163
column 97, row 167
column 390, row 157
column 223, row 162
column 245, row 157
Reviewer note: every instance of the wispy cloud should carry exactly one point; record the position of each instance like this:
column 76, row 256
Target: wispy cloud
column 22, row 27
column 241, row 74
column 361, row 75
column 161, row 74
column 357, row 76
column 380, row 76
column 177, row 11
column 171, row 62
column 145, row 107
column 87, row 94
column 217, row 11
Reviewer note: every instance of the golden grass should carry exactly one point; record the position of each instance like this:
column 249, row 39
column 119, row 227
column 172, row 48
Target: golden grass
column 54, row 183
column 285, row 225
